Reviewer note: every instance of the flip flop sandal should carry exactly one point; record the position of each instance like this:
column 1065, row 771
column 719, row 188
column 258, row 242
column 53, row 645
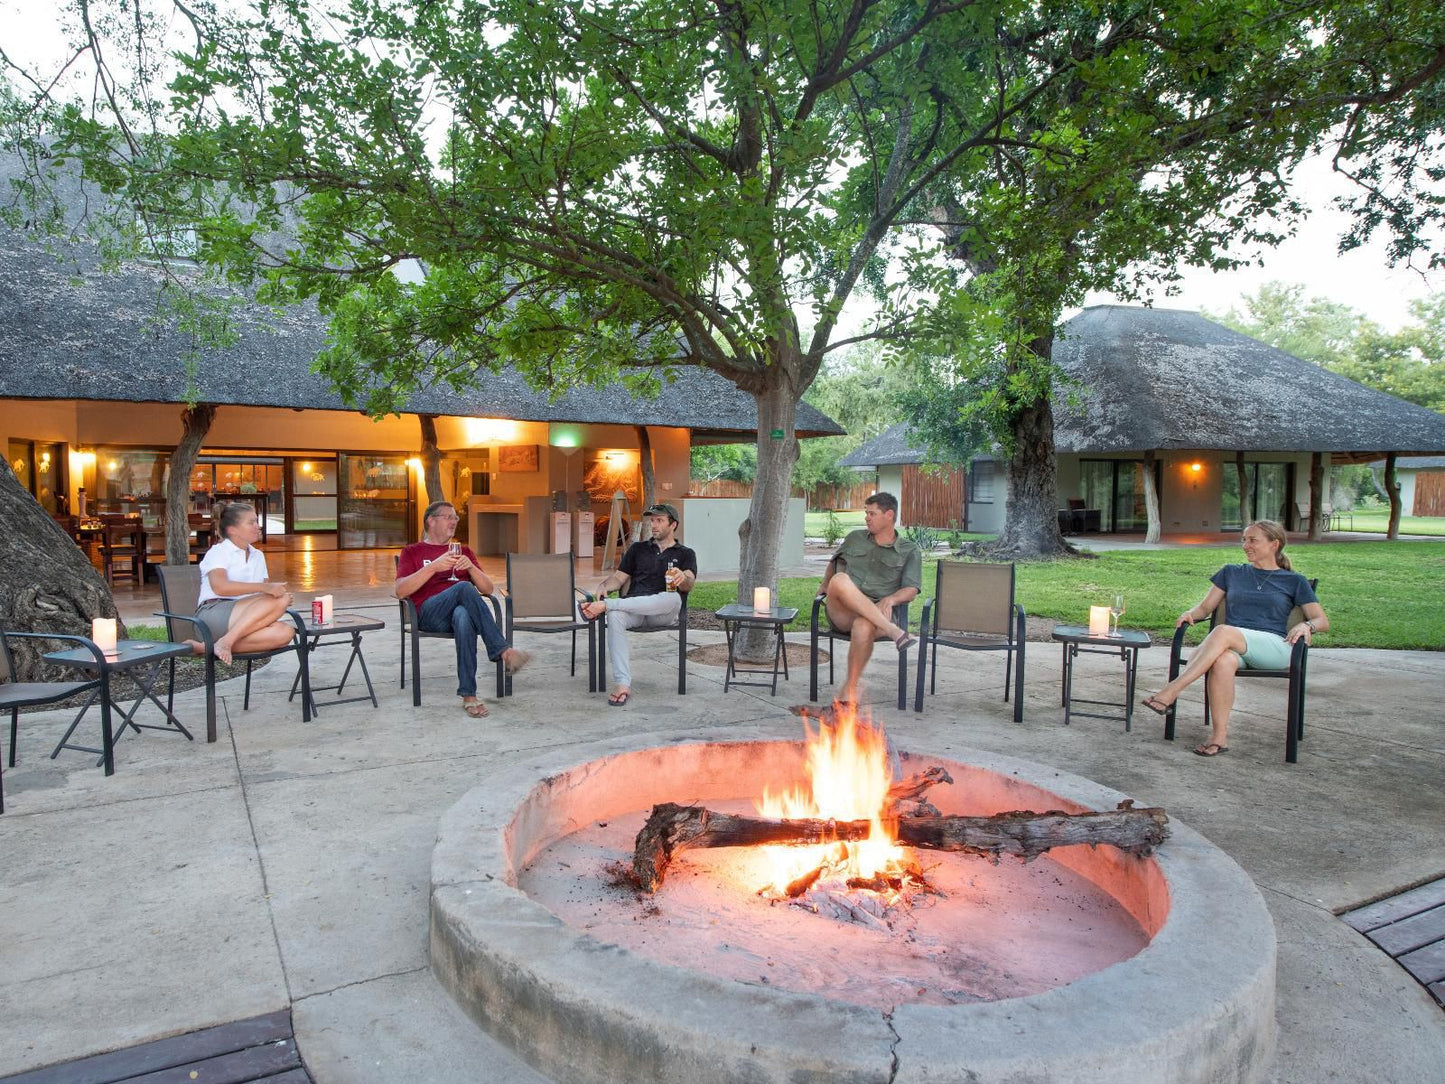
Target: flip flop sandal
column 1203, row 750
column 477, row 710
column 904, row 642
column 1158, row 707
column 617, row 700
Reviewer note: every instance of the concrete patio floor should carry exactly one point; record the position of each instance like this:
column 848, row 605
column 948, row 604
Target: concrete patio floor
column 289, row 863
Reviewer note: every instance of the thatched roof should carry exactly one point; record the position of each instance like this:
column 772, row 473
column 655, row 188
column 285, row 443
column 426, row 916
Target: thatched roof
column 1161, row 379
column 69, row 330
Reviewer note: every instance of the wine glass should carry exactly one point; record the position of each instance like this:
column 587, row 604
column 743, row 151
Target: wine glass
column 1117, row 610
column 453, row 549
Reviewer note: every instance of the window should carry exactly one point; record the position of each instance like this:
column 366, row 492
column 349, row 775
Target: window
column 981, row 481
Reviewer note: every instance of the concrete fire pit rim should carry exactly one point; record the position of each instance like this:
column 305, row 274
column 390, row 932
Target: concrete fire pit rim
column 1185, row 976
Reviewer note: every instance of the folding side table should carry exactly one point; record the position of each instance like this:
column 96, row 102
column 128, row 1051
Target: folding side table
column 736, row 618
column 1125, row 643
column 343, row 625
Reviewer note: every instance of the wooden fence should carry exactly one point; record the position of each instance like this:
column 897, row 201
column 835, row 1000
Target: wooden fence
column 1429, row 494
column 932, row 499
column 821, row 497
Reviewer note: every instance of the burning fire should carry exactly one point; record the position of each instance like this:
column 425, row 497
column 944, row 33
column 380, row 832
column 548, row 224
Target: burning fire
column 849, row 775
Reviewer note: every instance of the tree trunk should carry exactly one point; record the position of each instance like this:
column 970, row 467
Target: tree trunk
column 760, row 536
column 1392, row 487
column 1317, row 488
column 1246, row 499
column 431, row 458
column 196, row 423
column 649, row 479
column 47, row 584
column 1151, row 500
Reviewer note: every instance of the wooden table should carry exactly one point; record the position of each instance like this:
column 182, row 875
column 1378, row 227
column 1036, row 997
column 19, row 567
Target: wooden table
column 735, row 618
column 1125, row 643
column 142, row 656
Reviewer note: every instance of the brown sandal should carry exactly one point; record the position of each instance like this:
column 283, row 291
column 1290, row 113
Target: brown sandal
column 1204, row 750
column 476, row 709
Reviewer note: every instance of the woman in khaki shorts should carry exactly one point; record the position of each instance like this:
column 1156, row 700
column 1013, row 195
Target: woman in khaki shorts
column 1260, row 596
column 237, row 604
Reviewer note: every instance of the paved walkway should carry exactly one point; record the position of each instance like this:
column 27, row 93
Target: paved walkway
column 288, row 863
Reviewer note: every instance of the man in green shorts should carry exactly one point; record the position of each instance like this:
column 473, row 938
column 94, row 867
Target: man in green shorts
column 880, row 569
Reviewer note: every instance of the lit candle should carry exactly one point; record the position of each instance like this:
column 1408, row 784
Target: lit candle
column 1098, row 621
column 762, row 599
column 102, row 631
column 326, row 609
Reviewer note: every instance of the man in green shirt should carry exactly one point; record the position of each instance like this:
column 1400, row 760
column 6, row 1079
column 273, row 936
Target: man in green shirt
column 879, row 570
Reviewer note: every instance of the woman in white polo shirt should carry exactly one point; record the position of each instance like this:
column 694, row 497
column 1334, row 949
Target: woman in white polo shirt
column 236, row 603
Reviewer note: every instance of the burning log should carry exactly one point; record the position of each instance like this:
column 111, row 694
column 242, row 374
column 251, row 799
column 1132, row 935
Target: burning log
column 912, row 788
column 673, row 828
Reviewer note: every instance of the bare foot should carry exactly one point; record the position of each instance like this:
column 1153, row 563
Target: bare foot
column 222, row 651
column 514, row 660
column 197, row 648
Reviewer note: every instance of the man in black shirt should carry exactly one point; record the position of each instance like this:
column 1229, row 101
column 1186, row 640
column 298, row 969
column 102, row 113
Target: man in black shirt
column 655, row 571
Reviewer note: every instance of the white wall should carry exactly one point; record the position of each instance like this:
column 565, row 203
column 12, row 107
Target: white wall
column 710, row 527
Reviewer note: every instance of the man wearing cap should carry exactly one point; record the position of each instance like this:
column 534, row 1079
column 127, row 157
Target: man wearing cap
column 650, row 575
column 879, row 569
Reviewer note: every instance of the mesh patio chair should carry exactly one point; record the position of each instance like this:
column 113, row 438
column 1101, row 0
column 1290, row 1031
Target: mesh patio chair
column 1294, row 730
column 973, row 609
column 15, row 695
column 412, row 633
column 180, row 591
column 821, row 626
column 542, row 597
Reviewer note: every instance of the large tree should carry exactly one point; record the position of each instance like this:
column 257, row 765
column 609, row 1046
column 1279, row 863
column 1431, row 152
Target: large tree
column 1163, row 148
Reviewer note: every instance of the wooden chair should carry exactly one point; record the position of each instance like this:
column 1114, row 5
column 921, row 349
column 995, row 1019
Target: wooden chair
column 122, row 550
column 542, row 596
column 412, row 632
column 15, row 695
column 973, row 609
column 679, row 627
column 1294, row 730
column 821, row 626
column 180, row 592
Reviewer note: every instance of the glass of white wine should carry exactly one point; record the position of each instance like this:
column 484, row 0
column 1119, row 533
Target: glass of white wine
column 453, row 549
column 1117, row 611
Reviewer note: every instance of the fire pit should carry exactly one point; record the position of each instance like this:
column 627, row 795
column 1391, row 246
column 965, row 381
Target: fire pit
column 1085, row 964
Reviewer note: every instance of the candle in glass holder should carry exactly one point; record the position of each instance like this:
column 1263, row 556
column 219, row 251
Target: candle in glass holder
column 762, row 599
column 102, row 631
column 1098, row 621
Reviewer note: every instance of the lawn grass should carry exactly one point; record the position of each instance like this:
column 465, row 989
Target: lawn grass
column 1377, row 521
column 1377, row 594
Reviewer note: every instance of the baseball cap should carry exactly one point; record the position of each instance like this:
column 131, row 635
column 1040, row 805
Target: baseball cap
column 663, row 510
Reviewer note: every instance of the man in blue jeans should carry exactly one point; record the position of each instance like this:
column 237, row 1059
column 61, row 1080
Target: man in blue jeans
column 446, row 584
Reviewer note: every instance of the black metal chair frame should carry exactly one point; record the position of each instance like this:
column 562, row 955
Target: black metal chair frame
column 298, row 644
column 24, row 694
column 1295, row 674
column 552, row 625
column 680, row 627
column 900, row 618
column 1016, row 643
column 411, row 630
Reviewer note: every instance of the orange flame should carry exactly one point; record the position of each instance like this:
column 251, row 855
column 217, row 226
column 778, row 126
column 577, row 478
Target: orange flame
column 849, row 775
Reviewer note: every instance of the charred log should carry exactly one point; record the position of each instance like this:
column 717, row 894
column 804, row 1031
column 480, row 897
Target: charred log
column 673, row 828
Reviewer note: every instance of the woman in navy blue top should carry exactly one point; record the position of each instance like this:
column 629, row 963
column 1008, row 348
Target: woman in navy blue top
column 1259, row 597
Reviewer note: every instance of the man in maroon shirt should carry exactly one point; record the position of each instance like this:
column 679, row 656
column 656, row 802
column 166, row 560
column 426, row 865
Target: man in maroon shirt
column 447, row 584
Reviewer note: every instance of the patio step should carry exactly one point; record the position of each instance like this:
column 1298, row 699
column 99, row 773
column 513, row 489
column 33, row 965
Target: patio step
column 1411, row 928
column 262, row 1048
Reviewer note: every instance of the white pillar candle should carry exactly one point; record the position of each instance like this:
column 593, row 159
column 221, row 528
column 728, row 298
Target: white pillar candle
column 102, row 631
column 762, row 599
column 1098, row 621
column 327, row 611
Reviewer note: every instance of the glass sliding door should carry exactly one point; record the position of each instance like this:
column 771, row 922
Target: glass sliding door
column 1116, row 488
column 375, row 502
column 38, row 467
column 1269, row 490
column 313, row 495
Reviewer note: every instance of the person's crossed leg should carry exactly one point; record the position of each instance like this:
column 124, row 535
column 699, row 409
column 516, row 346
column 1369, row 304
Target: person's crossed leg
column 853, row 612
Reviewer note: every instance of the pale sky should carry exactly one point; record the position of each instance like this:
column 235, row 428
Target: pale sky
column 1360, row 279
